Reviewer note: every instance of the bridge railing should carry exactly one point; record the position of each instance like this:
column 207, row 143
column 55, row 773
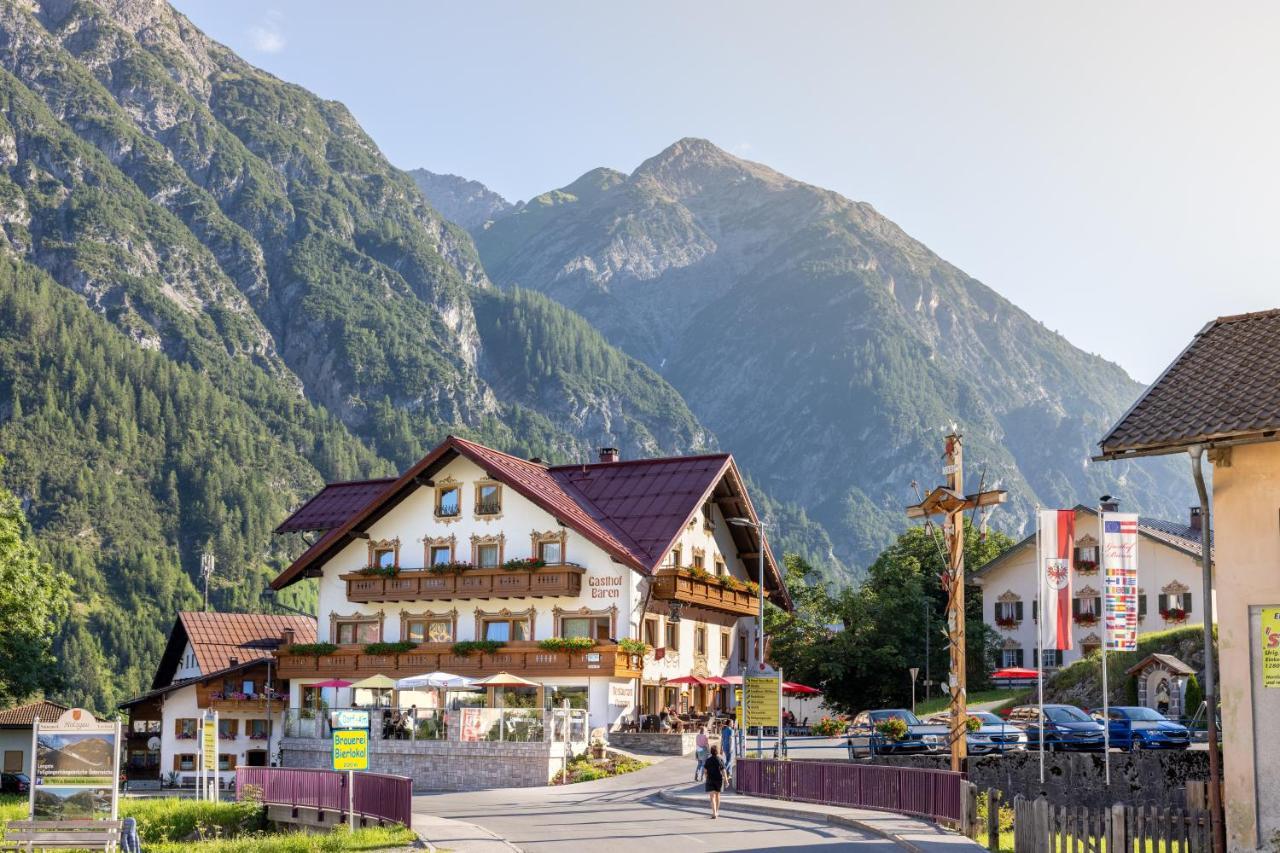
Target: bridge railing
column 935, row 794
column 377, row 796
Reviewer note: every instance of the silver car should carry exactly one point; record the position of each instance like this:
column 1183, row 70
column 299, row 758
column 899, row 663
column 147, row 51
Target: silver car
column 995, row 735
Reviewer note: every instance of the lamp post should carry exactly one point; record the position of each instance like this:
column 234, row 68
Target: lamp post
column 759, row 526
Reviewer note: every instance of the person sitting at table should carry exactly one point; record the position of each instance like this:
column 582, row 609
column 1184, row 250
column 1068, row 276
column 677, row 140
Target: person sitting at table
column 664, row 721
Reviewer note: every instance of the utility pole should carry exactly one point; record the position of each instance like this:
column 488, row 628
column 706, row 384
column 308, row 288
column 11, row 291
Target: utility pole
column 206, row 572
column 950, row 501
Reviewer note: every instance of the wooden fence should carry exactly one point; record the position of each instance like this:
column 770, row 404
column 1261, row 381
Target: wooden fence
column 1040, row 827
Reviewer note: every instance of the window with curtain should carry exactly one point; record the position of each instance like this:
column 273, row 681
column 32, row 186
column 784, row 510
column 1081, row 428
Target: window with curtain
column 673, row 635
column 356, row 632
column 506, row 630
column 487, row 556
column 429, row 630
column 593, row 627
column 441, row 554
column 551, row 552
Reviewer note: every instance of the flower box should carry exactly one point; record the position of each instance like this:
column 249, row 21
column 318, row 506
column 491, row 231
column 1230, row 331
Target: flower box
column 1174, row 615
column 1087, row 567
column 1007, row 623
column 1085, row 619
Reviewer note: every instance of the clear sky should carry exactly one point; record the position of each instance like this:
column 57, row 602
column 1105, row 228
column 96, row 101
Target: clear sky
column 1110, row 167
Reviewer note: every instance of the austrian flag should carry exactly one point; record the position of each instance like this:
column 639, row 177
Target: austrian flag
column 1057, row 545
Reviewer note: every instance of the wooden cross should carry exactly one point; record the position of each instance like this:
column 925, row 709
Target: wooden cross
column 950, row 501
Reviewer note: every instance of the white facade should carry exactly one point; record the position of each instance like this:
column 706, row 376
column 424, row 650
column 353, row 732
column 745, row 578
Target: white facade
column 1166, row 573
column 609, row 589
column 240, row 748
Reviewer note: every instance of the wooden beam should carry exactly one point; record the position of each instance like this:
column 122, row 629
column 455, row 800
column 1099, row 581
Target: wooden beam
column 748, row 555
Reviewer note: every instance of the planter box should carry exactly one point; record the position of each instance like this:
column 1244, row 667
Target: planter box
column 421, row 585
column 680, row 585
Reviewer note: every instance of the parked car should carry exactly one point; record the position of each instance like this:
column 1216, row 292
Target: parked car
column 1066, row 727
column 995, row 735
column 920, row 737
column 14, row 783
column 1134, row 727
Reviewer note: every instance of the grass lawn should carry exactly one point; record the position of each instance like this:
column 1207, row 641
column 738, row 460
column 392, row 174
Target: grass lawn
column 941, row 703
column 164, row 823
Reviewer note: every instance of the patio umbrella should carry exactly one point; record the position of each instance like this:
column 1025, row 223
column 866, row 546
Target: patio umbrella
column 375, row 682
column 333, row 682
column 1014, row 672
column 795, row 689
column 685, row 679
column 437, row 679
column 504, row 679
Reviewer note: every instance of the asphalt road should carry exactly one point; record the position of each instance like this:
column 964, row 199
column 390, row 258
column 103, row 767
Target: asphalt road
column 624, row 814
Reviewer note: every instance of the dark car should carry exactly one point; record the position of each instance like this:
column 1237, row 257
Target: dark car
column 14, row 783
column 1134, row 727
column 921, row 737
column 1066, row 727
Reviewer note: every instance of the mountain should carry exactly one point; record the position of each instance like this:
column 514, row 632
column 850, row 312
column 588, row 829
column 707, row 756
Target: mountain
column 215, row 293
column 829, row 348
column 461, row 201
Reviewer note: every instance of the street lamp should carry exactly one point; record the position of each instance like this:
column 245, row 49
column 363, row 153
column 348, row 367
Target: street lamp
column 759, row 526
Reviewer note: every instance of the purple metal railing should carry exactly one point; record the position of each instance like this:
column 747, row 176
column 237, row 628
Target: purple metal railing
column 378, row 796
column 935, row 794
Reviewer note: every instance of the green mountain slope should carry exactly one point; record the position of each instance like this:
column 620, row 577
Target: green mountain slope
column 216, row 294
column 825, row 345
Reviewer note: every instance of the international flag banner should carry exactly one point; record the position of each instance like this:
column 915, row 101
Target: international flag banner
column 1057, row 547
column 1120, row 568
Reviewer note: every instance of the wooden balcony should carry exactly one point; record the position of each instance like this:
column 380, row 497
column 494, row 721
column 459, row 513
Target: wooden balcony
column 422, row 585
column 257, row 704
column 519, row 658
column 680, row 585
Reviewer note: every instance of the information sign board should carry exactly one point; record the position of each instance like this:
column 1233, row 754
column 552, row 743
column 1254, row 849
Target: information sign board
column 350, row 749
column 761, row 699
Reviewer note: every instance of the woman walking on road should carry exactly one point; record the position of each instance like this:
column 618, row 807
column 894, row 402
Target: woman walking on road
column 715, row 779
column 701, row 753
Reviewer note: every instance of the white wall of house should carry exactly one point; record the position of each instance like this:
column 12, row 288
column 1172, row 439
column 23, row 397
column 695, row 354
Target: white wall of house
column 181, row 704
column 12, row 743
column 1160, row 567
column 188, row 666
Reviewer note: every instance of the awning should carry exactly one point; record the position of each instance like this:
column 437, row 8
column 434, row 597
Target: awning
column 699, row 680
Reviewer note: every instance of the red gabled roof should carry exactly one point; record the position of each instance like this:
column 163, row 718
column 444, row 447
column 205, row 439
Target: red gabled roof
column 335, row 503
column 216, row 638
column 632, row 510
column 24, row 715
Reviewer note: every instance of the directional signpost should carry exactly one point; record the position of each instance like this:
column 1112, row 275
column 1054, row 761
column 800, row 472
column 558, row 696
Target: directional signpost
column 351, row 753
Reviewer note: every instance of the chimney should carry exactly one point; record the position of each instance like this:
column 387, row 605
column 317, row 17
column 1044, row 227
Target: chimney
column 1110, row 504
column 1195, row 518
column 608, row 454
column 286, row 637
column 233, row 661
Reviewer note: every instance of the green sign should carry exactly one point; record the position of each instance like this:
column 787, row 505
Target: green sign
column 350, row 749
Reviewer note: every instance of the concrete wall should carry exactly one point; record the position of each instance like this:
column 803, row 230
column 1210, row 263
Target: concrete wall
column 17, row 740
column 1078, row 779
column 444, row 765
column 1246, row 498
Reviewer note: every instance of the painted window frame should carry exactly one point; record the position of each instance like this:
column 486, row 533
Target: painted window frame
column 427, row 617
column 610, row 614
column 479, row 541
column 538, row 539
column 442, row 488
column 492, row 509
column 380, row 546
column 336, row 620
column 485, row 617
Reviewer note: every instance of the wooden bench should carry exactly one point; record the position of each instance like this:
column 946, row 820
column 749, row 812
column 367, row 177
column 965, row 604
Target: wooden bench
column 62, row 834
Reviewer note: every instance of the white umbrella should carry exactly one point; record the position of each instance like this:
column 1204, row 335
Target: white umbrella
column 440, row 680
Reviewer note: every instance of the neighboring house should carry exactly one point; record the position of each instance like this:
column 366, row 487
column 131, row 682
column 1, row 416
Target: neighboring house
column 1168, row 591
column 1222, row 396
column 432, row 558
column 15, row 732
column 221, row 661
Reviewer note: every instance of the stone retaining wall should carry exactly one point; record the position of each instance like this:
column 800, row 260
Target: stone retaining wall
column 443, row 765
column 658, row 743
column 1078, row 778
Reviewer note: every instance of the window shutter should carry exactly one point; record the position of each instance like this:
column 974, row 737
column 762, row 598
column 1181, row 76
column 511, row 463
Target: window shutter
column 1035, row 657
column 996, row 608
column 1186, row 602
column 177, row 762
column 1018, row 657
column 1017, row 613
column 1035, row 609
column 1142, row 604
column 1075, row 607
column 1097, row 606
column 1162, row 602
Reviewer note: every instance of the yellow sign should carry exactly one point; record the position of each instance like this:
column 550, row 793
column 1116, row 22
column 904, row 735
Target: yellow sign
column 1270, row 647
column 209, row 738
column 737, row 704
column 761, row 698
column 350, row 749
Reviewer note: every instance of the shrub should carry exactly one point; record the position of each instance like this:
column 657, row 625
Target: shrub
column 312, row 649
column 390, row 648
column 384, row 571
column 527, row 564
column 1193, row 697
column 463, row 648
column 455, row 567
column 170, row 819
column 633, row 647
column 566, row 644
column 829, row 727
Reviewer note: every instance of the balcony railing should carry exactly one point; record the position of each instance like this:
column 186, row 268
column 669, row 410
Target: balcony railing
column 255, row 703
column 520, row 725
column 518, row 657
column 681, row 585
column 424, row 585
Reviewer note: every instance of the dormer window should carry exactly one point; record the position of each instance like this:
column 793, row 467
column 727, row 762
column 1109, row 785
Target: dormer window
column 488, row 498
column 448, row 501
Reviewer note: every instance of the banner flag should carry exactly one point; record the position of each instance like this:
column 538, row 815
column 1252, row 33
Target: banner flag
column 1120, row 567
column 1057, row 548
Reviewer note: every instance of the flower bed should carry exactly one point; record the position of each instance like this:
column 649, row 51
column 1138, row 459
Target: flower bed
column 584, row 769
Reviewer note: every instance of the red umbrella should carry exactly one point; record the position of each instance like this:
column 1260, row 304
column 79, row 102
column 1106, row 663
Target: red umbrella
column 799, row 689
column 1014, row 672
column 333, row 682
column 694, row 680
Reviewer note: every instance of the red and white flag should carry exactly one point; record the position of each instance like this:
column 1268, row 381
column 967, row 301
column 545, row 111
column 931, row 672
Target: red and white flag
column 1057, row 547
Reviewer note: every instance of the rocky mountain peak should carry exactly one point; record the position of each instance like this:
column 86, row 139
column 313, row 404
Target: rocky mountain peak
column 691, row 166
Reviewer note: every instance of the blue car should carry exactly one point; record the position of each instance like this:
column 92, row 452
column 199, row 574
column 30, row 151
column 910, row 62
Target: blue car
column 1066, row 727
column 1136, row 728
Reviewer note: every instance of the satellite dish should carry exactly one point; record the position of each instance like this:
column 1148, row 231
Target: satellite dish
column 153, row 743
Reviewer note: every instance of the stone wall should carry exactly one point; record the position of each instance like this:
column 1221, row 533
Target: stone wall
column 1078, row 779
column 443, row 765
column 659, row 743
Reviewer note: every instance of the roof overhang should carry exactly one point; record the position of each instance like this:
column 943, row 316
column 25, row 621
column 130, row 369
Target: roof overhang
column 1208, row 442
